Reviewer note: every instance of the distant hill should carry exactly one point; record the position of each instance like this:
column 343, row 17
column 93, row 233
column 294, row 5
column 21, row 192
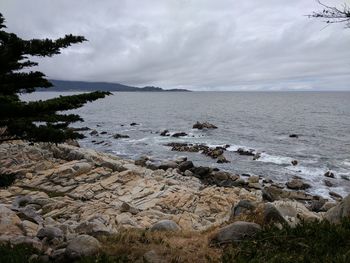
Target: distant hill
column 63, row 85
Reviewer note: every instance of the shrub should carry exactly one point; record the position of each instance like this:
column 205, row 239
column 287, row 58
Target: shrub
column 307, row 242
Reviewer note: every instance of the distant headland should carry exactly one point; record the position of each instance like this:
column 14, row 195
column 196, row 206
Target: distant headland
column 64, row 85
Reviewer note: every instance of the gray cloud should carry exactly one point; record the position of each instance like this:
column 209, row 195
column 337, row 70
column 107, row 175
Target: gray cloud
column 201, row 45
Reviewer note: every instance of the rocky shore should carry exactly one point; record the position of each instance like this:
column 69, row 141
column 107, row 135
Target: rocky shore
column 64, row 198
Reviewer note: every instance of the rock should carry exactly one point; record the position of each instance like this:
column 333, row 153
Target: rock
column 204, row 125
column 134, row 124
column 221, row 175
column 329, row 174
column 335, row 196
column 341, row 210
column 167, row 164
column 58, row 255
column 9, row 222
column 272, row 215
column 242, row 207
column 94, row 228
column 201, row 171
column 257, row 156
column 316, row 205
column 186, row 165
column 104, row 132
column 242, row 151
column 254, row 186
column 293, row 136
column 125, row 207
column 82, row 246
column 328, row 183
column 297, row 184
column 222, row 159
column 235, row 232
column 165, row 225
column 165, row 133
column 142, row 161
column 94, row 133
column 293, row 212
column 253, row 179
column 179, row 134
column 50, row 232
column 345, row 177
column 188, row 173
column 120, row 136
column 327, row 206
column 294, row 162
column 29, row 228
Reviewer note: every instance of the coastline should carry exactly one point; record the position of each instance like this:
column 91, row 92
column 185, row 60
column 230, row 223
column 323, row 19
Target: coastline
column 83, row 192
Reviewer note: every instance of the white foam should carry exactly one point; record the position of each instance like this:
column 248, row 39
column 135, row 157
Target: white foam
column 267, row 158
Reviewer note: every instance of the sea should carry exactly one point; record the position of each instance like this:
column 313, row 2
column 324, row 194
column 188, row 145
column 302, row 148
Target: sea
column 261, row 121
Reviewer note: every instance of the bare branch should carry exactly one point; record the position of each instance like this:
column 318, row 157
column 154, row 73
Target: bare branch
column 331, row 14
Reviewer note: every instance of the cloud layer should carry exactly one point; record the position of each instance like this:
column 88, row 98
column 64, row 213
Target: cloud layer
column 201, row 45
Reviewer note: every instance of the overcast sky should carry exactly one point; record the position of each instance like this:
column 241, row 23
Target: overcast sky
column 195, row 44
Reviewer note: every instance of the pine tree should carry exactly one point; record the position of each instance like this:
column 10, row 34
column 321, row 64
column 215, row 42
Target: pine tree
column 38, row 120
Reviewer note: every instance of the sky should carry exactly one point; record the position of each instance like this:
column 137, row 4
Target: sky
column 195, row 44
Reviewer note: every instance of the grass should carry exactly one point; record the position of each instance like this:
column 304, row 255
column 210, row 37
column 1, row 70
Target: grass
column 308, row 242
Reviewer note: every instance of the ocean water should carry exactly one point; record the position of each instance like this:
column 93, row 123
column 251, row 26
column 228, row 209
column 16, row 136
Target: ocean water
column 261, row 121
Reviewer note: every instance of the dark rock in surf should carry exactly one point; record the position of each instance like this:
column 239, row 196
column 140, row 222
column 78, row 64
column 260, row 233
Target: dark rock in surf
column 297, row 184
column 165, row 133
column 179, row 134
column 242, row 151
column 205, row 125
column 329, row 174
column 293, row 136
column 120, row 136
column 294, row 162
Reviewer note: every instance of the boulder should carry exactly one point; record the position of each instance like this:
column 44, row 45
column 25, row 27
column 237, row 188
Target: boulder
column 82, row 246
column 50, row 233
column 235, row 232
column 201, row 171
column 187, row 165
column 167, row 164
column 125, row 207
column 272, row 215
column 293, row 136
column 134, row 124
column 165, row 225
column 253, row 179
column 243, row 206
column 94, row 228
column 222, row 159
column 335, row 196
column 293, row 212
column 9, row 222
column 297, row 184
column 335, row 214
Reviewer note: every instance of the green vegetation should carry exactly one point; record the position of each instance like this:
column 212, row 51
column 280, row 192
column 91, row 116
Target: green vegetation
column 308, row 242
column 38, row 120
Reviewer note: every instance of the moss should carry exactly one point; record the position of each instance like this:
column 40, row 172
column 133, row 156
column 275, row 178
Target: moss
column 7, row 180
column 308, row 242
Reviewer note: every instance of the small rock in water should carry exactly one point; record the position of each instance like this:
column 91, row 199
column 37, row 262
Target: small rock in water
column 179, row 134
column 257, row 156
column 335, row 195
column 294, row 162
column 345, row 177
column 120, row 136
column 165, row 133
column 222, row 159
column 204, row 125
column 104, row 132
column 328, row 183
column 242, row 151
column 94, row 133
column 293, row 136
column 329, row 174
column 134, row 124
